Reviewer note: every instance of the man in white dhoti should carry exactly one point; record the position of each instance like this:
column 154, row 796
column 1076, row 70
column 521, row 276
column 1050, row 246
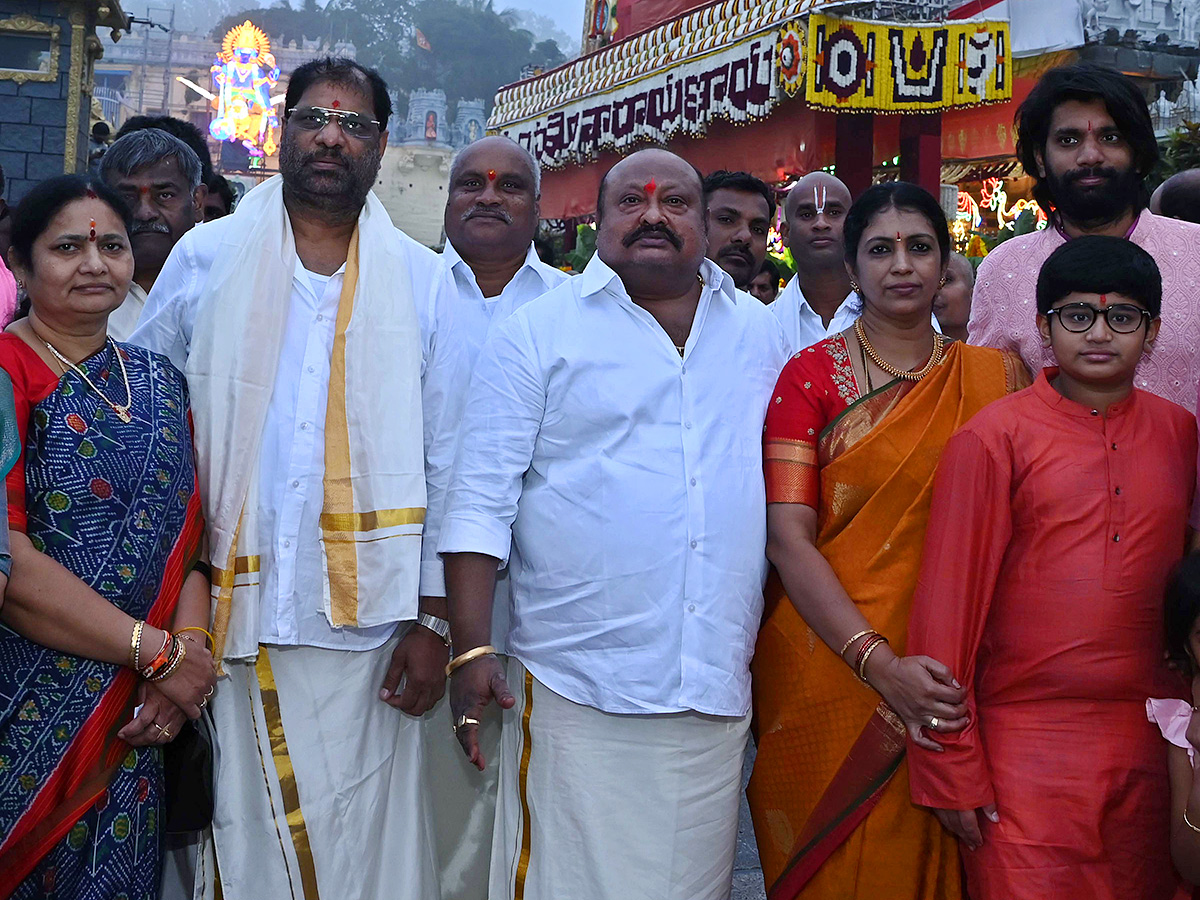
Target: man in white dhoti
column 296, row 324
column 613, row 435
column 490, row 270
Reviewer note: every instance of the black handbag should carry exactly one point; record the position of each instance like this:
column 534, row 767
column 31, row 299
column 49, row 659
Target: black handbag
column 188, row 777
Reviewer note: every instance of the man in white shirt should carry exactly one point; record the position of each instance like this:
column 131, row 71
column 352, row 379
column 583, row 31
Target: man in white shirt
column 491, row 270
column 817, row 302
column 612, row 437
column 158, row 177
column 296, row 322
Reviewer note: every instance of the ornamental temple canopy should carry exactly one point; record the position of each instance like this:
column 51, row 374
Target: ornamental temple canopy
column 783, row 87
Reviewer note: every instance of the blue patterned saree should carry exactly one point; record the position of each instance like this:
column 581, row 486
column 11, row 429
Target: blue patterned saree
column 116, row 504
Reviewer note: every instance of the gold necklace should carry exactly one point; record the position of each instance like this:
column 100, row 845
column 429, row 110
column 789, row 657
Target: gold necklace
column 895, row 372
column 677, row 347
column 122, row 410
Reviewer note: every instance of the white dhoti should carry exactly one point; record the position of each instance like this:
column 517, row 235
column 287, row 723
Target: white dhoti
column 463, row 801
column 319, row 789
column 597, row 806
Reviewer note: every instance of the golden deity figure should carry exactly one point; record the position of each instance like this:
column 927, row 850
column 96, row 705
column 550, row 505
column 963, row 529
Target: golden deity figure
column 244, row 75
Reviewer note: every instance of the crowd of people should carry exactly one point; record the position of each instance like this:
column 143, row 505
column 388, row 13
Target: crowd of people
column 338, row 566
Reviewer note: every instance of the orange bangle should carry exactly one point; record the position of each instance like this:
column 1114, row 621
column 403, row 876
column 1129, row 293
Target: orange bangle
column 161, row 659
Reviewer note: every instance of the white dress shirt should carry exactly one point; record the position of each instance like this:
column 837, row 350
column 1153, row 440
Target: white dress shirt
column 455, row 324
column 803, row 324
column 124, row 319
column 629, row 484
column 292, row 459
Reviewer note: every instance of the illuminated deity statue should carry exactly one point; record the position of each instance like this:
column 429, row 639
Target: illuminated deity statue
column 244, row 75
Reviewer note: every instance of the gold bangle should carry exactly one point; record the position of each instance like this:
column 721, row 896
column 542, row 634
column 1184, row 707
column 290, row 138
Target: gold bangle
column 178, row 652
column 862, row 666
column 846, row 646
column 1187, row 821
column 463, row 658
column 135, row 644
column 203, row 631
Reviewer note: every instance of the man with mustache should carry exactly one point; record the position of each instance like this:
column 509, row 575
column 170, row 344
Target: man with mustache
column 1085, row 136
column 817, row 303
column 740, row 210
column 612, row 441
column 491, row 269
column 158, row 176
column 295, row 320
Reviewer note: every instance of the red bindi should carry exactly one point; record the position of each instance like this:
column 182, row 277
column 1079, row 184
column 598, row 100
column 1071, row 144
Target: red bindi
column 337, row 104
column 899, row 238
column 1104, row 299
column 491, row 174
column 92, row 231
column 650, row 186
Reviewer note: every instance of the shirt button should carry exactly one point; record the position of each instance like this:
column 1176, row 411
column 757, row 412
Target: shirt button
column 693, row 482
column 287, row 543
column 693, row 545
column 1095, row 412
column 1114, row 446
column 297, row 484
column 311, row 370
column 1118, row 492
column 687, row 424
column 691, row 607
column 683, row 371
column 320, row 318
column 1116, row 538
column 304, row 426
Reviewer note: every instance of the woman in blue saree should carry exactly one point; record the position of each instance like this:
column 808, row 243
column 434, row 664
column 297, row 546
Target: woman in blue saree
column 106, row 531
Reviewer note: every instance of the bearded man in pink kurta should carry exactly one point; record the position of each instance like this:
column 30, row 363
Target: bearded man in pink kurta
column 1085, row 137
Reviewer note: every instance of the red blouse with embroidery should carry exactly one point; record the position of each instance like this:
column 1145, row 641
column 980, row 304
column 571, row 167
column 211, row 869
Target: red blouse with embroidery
column 814, row 388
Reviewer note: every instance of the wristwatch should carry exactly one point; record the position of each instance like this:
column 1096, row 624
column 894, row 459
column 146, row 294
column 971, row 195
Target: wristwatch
column 440, row 627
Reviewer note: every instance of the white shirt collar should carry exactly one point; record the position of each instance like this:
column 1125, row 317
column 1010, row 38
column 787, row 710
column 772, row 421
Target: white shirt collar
column 851, row 303
column 533, row 263
column 597, row 276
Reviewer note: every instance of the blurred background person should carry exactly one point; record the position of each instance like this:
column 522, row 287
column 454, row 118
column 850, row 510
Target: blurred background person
column 952, row 305
column 219, row 201
column 764, row 286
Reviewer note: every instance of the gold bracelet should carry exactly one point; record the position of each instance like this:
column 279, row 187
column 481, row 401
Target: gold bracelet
column 1187, row 821
column 846, row 646
column 463, row 658
column 203, row 631
column 135, row 643
column 862, row 666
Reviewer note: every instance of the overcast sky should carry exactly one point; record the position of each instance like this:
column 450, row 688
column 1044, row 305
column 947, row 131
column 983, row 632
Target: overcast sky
column 567, row 13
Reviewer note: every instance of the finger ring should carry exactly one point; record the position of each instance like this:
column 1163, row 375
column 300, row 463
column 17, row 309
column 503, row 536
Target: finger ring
column 156, row 725
column 933, row 722
column 210, row 692
column 204, row 701
column 166, row 732
column 463, row 722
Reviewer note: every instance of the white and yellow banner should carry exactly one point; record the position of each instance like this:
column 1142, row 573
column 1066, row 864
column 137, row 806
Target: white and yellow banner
column 890, row 67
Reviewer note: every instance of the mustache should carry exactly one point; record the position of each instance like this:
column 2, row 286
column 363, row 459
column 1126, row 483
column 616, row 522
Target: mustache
column 1099, row 172
column 739, row 250
column 643, row 230
column 148, row 228
column 492, row 211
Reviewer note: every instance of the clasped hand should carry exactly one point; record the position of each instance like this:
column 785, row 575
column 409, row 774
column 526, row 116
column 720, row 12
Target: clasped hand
column 920, row 690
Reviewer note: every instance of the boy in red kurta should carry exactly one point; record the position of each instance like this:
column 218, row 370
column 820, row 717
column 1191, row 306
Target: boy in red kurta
column 1057, row 515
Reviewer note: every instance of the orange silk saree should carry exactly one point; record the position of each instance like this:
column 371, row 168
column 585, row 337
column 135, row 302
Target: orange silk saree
column 829, row 793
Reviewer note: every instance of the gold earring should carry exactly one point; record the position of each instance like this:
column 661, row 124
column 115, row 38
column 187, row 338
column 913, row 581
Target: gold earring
column 942, row 283
column 854, row 286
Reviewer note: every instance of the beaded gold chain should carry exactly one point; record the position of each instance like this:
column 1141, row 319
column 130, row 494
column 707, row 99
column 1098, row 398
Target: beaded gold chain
column 885, row 366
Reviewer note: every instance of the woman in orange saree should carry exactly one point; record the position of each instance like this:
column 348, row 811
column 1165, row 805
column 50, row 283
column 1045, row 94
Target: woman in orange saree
column 853, row 438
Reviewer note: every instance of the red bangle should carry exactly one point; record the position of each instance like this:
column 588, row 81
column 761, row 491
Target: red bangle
column 865, row 650
column 161, row 659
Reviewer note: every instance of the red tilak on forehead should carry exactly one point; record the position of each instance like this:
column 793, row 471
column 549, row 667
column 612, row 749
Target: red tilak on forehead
column 92, row 231
column 650, row 186
column 899, row 237
column 336, row 104
column 491, row 174
column 91, row 194
column 1104, row 299
column 1089, row 125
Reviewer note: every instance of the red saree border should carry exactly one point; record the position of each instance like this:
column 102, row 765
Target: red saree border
column 846, row 802
column 86, row 769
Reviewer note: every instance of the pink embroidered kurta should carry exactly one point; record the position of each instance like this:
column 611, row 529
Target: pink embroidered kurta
column 1004, row 306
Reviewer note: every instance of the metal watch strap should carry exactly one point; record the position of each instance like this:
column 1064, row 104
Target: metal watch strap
column 440, row 627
